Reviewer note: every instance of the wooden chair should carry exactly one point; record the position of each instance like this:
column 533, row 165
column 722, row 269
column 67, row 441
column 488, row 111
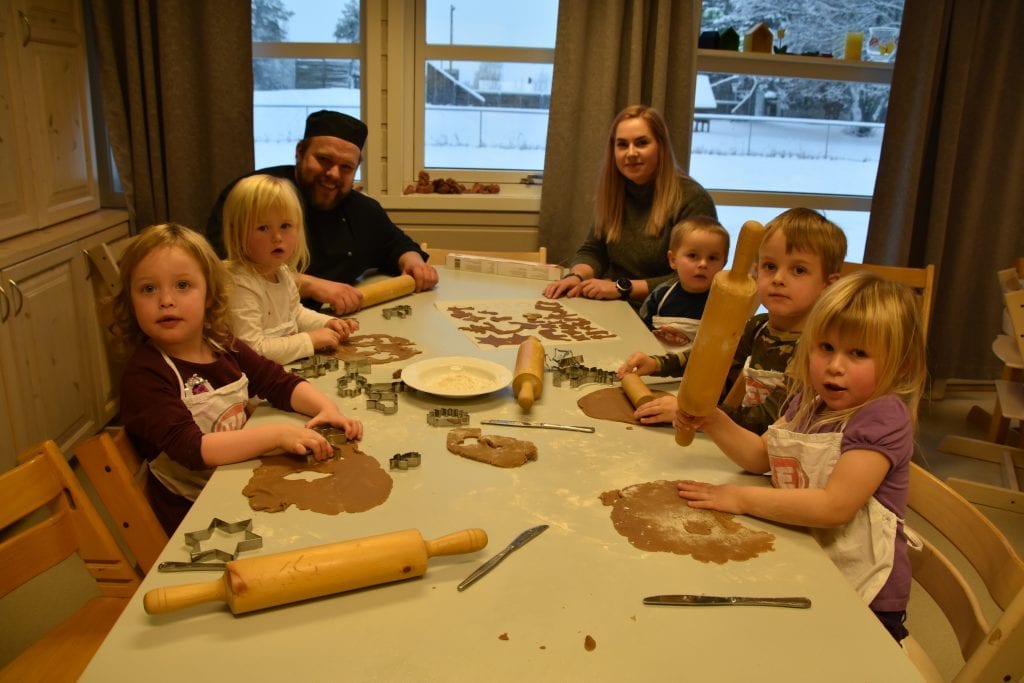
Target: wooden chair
column 991, row 651
column 438, row 254
column 115, row 470
column 73, row 525
column 921, row 280
column 1009, row 406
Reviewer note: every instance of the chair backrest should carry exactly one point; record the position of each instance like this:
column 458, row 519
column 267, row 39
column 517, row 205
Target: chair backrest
column 992, row 652
column 114, row 468
column 44, row 479
column 921, row 280
column 1013, row 297
column 438, row 254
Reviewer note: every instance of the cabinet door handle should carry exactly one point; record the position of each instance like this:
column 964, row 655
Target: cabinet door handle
column 21, row 297
column 5, row 313
column 28, row 28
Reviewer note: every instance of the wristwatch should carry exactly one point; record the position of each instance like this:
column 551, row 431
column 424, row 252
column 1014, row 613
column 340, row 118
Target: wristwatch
column 625, row 287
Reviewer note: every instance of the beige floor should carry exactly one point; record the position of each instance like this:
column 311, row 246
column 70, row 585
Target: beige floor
column 937, row 419
column 24, row 614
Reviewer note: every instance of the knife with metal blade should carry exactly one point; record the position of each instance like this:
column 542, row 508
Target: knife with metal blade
column 539, row 425
column 698, row 600
column 519, row 541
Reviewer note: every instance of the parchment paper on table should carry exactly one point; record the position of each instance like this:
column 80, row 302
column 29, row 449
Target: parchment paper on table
column 653, row 517
column 501, row 451
column 354, row 482
column 509, row 322
column 376, row 348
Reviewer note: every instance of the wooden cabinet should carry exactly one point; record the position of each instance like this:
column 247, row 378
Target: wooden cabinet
column 47, row 162
column 56, row 374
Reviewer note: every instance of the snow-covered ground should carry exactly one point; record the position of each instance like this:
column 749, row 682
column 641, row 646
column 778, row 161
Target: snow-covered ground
column 759, row 155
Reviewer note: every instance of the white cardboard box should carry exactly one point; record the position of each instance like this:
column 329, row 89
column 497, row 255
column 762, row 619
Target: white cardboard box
column 500, row 266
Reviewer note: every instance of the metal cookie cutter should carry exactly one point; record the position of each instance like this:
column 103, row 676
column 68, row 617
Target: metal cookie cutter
column 400, row 311
column 335, row 436
column 316, row 366
column 250, row 541
column 351, row 384
column 404, row 461
column 382, row 401
column 447, row 417
column 357, row 366
column 566, row 366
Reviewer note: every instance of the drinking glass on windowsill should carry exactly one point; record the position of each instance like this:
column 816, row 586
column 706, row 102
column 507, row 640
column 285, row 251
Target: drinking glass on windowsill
column 882, row 41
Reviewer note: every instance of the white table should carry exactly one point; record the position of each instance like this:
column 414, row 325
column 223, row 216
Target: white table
column 578, row 578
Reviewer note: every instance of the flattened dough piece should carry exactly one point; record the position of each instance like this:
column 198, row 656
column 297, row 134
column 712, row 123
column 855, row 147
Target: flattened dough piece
column 611, row 403
column 653, row 517
column 501, row 451
column 354, row 482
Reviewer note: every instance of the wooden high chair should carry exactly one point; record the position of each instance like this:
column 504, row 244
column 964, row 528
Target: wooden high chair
column 32, row 547
column 991, row 651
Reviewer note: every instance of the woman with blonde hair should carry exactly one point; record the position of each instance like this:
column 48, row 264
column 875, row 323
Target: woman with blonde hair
column 641, row 194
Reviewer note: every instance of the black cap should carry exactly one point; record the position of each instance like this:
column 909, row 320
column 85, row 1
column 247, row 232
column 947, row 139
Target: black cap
column 336, row 125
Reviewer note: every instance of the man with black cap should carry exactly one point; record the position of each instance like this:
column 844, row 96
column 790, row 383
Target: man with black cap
column 348, row 233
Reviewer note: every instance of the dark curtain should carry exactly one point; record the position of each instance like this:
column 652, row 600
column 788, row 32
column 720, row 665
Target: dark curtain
column 950, row 186
column 609, row 55
column 176, row 78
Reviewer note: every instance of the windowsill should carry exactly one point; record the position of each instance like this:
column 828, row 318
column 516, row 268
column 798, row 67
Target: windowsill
column 512, row 197
column 796, row 66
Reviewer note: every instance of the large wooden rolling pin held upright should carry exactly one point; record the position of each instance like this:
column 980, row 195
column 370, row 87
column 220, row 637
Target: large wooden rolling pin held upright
column 528, row 379
column 732, row 300
column 259, row 582
column 386, row 290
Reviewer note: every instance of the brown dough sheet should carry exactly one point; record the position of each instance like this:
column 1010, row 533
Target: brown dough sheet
column 501, row 451
column 653, row 517
column 611, row 403
column 376, row 348
column 355, row 483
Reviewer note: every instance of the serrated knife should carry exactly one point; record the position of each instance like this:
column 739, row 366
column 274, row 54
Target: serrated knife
column 538, row 425
column 700, row 600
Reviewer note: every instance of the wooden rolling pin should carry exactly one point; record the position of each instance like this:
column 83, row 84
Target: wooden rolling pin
column 260, row 582
column 386, row 290
column 732, row 300
column 528, row 379
column 636, row 391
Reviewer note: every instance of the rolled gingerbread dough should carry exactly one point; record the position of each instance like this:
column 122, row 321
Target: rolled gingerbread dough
column 611, row 403
column 354, row 482
column 501, row 451
column 653, row 517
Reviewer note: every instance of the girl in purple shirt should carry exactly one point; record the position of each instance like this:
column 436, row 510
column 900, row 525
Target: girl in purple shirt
column 840, row 456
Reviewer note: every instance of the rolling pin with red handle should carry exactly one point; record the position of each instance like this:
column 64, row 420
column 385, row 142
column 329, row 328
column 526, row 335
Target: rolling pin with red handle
column 528, row 379
column 386, row 290
column 731, row 302
column 260, row 582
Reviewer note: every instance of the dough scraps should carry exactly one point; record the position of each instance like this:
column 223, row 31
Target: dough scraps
column 376, row 348
column 611, row 403
column 501, row 451
column 653, row 517
column 510, row 322
column 355, row 482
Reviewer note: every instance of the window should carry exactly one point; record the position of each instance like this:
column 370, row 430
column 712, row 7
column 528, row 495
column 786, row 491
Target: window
column 473, row 76
column 306, row 56
column 791, row 127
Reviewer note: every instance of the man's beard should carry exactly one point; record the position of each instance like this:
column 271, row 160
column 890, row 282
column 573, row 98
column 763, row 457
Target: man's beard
column 321, row 198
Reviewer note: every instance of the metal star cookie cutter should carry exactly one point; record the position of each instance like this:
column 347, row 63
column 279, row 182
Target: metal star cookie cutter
column 250, row 541
column 351, row 384
column 400, row 311
column 565, row 366
column 447, row 417
column 404, row 461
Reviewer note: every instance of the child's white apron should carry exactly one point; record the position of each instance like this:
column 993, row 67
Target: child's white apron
column 758, row 385
column 214, row 410
column 863, row 548
column 683, row 327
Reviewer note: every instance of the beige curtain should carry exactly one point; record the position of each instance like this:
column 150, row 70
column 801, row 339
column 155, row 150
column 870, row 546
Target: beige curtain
column 610, row 54
column 176, row 77
column 949, row 188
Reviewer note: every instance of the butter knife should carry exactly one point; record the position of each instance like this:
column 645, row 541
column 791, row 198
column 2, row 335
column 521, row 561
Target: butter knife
column 696, row 600
column 539, row 425
column 519, row 541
